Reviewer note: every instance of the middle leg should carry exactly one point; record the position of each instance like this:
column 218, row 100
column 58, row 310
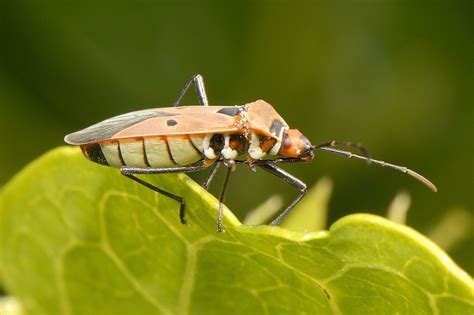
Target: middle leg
column 131, row 171
column 198, row 82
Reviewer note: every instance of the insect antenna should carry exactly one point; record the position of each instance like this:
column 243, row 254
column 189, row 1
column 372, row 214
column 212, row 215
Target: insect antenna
column 348, row 144
column 402, row 169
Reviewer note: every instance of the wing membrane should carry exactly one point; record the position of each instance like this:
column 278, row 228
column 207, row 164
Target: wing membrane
column 158, row 122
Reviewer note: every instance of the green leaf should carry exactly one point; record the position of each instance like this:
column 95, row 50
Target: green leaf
column 79, row 238
column 9, row 306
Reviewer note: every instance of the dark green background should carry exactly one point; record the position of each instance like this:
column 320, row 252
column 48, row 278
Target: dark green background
column 396, row 76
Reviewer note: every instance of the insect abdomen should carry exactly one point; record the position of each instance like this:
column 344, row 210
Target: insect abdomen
column 94, row 153
column 153, row 152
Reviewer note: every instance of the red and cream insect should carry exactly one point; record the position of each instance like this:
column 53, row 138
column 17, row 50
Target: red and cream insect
column 192, row 138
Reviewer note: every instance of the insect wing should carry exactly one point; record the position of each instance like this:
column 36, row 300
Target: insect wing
column 184, row 120
column 159, row 122
column 264, row 119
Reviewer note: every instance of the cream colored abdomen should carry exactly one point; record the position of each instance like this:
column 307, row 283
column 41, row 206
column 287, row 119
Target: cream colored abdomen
column 111, row 153
column 183, row 151
column 157, row 153
column 153, row 152
column 133, row 153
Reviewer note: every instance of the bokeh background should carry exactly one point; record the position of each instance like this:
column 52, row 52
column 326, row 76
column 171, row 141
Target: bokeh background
column 396, row 76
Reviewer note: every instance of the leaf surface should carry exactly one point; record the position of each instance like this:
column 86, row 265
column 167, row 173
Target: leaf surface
column 79, row 238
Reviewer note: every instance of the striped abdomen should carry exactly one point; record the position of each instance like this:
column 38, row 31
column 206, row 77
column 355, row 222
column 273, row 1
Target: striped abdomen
column 155, row 152
column 171, row 151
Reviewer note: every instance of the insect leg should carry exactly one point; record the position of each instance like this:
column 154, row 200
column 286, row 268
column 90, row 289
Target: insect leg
column 211, row 175
column 130, row 171
column 164, row 170
column 221, row 200
column 200, row 90
column 290, row 179
column 179, row 199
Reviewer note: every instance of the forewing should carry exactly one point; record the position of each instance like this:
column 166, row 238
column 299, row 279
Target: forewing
column 158, row 122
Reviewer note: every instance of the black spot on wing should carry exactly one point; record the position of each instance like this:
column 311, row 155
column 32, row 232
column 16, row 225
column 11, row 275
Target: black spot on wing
column 171, row 122
column 276, row 127
column 229, row 111
column 107, row 128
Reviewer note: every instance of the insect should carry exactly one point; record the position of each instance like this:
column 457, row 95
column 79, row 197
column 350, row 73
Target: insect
column 184, row 139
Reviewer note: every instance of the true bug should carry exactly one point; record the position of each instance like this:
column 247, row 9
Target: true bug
column 192, row 138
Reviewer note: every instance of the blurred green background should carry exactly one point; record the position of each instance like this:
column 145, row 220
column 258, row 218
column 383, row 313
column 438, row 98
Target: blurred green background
column 396, row 76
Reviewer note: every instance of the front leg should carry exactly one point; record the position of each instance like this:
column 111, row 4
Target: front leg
column 211, row 175
column 290, row 179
